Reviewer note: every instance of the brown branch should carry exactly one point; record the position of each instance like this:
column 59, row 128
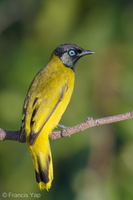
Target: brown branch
column 90, row 122
column 9, row 135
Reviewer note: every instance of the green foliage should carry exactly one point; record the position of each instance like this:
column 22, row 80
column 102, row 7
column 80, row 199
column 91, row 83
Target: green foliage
column 96, row 164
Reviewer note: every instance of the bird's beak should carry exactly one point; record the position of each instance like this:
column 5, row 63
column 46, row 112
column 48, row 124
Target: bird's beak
column 82, row 53
column 86, row 52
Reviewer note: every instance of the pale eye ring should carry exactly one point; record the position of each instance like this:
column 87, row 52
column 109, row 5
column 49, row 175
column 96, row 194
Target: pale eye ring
column 72, row 53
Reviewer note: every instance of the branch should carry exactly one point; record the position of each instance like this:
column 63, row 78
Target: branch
column 90, row 122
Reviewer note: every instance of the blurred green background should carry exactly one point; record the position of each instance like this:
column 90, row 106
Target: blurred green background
column 96, row 164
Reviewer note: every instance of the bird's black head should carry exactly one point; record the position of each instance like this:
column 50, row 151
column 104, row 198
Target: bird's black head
column 70, row 53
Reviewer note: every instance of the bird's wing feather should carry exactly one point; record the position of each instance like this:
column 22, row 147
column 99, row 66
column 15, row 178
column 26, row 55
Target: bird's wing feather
column 42, row 110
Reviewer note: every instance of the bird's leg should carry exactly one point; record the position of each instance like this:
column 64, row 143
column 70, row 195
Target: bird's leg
column 64, row 129
column 62, row 126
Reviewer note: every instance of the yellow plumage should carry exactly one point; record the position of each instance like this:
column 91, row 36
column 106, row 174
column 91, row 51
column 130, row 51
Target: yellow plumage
column 46, row 101
column 48, row 106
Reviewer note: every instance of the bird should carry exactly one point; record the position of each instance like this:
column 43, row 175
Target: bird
column 45, row 102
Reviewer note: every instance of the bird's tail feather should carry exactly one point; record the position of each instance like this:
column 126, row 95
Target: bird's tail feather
column 42, row 160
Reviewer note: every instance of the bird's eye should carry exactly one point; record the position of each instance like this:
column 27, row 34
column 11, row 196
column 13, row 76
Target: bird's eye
column 72, row 53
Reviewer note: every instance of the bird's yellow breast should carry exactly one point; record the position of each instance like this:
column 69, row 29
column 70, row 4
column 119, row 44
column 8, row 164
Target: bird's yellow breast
column 48, row 97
